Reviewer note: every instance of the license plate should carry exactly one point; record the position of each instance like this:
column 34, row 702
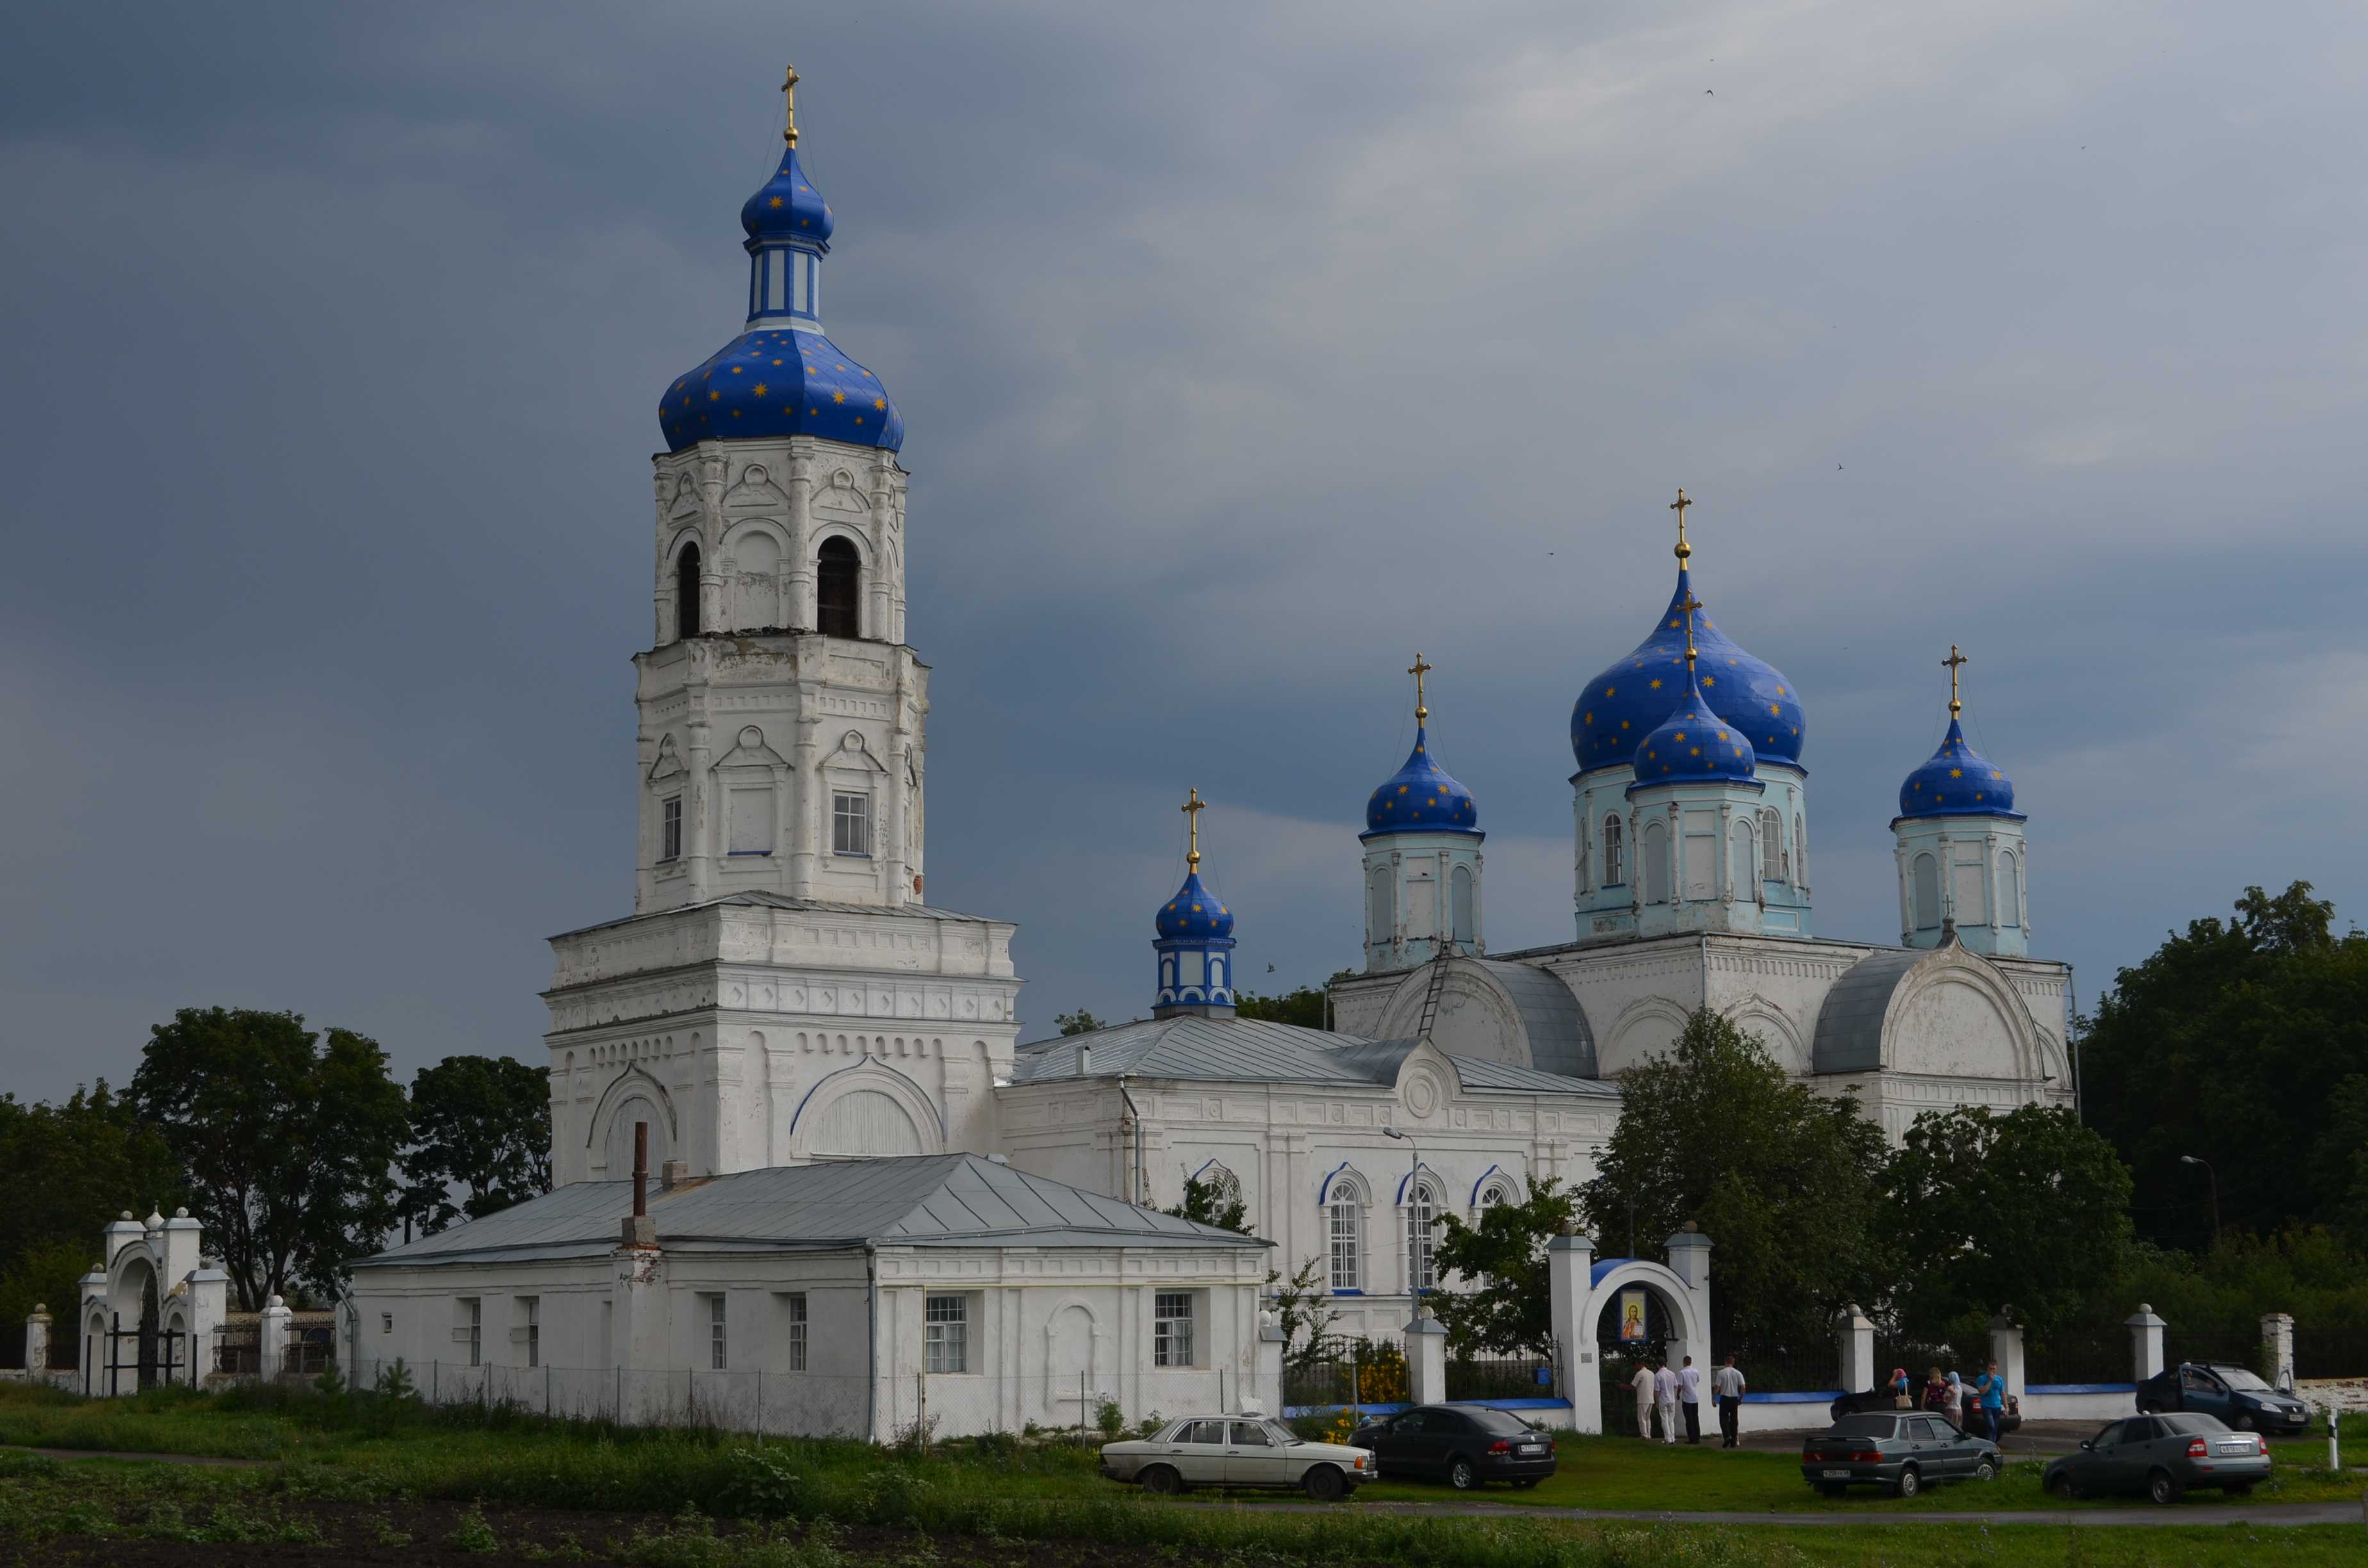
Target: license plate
column 1532, row 1448
column 1835, row 1474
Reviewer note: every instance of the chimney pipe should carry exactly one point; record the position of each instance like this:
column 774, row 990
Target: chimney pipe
column 641, row 1169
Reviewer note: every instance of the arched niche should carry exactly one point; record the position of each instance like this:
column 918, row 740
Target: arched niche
column 864, row 1111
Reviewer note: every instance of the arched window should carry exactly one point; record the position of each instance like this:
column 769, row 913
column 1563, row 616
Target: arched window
column 1496, row 1192
column 838, row 580
column 1225, row 1188
column 1422, row 1237
column 1742, row 875
column 1458, row 903
column 1344, row 1225
column 1927, row 881
column 1615, row 859
column 1771, row 844
column 2009, row 890
column 1654, row 846
column 1380, row 909
column 685, row 593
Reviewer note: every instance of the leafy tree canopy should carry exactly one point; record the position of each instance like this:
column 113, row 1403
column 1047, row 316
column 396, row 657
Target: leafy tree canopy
column 1509, row 1306
column 1305, row 1007
column 1785, row 1184
column 68, row 1169
column 1210, row 1203
column 289, row 1140
column 480, row 1125
column 1078, row 1022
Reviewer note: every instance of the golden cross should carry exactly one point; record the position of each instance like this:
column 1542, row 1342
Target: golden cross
column 1952, row 661
column 1692, row 604
column 1192, row 810
column 1679, row 506
column 1419, row 669
column 790, row 105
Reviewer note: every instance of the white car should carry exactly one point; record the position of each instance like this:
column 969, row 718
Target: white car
column 1237, row 1450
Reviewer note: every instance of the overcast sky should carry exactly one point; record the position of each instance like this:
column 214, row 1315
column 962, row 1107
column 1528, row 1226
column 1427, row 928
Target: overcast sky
column 1243, row 351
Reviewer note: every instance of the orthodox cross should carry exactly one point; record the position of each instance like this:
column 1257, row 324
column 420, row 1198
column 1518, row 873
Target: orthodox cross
column 790, row 105
column 1679, row 506
column 1419, row 669
column 1192, row 810
column 1691, row 604
column 1952, row 661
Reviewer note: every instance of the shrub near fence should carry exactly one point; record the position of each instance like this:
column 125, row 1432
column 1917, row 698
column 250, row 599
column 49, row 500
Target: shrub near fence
column 1813, row 1368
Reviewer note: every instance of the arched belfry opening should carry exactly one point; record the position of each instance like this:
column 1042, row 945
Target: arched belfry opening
column 838, row 589
column 685, row 593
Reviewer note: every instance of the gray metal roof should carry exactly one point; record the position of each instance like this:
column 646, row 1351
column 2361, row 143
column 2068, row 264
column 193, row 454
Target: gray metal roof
column 1850, row 1025
column 1560, row 1039
column 910, row 1200
column 1252, row 1050
column 759, row 900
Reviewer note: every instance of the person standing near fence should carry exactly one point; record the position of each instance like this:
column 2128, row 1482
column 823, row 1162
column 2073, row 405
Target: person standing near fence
column 1952, row 1403
column 1689, row 1395
column 1642, row 1384
column 1992, row 1389
column 1730, row 1385
column 1665, row 1398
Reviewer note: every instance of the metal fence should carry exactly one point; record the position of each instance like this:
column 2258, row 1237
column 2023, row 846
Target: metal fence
column 2235, row 1346
column 2069, row 1357
column 238, row 1347
column 1347, row 1372
column 1503, row 1377
column 1814, row 1367
column 2324, row 1352
column 12, row 1346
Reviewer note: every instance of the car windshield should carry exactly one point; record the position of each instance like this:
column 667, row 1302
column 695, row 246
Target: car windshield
column 2240, row 1378
column 1503, row 1422
column 2189, row 1422
column 1863, row 1426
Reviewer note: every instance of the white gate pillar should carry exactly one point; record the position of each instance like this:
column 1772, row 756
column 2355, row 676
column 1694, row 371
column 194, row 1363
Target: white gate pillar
column 1857, row 1346
column 1426, row 1357
column 271, row 1337
column 1690, row 1261
column 1270, row 1346
column 2145, row 1342
column 37, row 1342
column 2277, row 1348
column 1570, row 1279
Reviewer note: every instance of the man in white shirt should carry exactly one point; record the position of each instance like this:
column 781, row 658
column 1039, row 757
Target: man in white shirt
column 1690, row 1396
column 1642, row 1384
column 1730, row 1384
column 1664, row 1397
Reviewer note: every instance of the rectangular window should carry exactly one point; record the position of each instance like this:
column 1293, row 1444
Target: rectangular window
column 386, row 1323
column 800, row 280
column 793, row 1316
column 1171, row 1332
column 670, row 828
column 850, row 824
column 715, row 1347
column 775, row 297
column 946, row 1333
column 1422, row 1213
column 471, row 1329
column 813, row 286
column 530, row 1332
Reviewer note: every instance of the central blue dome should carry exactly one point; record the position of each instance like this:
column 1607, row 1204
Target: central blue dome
column 1619, row 708
column 1421, row 796
column 1692, row 745
column 1193, row 911
column 1958, row 781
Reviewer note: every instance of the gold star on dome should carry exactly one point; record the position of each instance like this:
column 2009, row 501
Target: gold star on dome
column 713, row 396
column 1655, row 685
column 1610, row 691
column 1957, row 773
column 777, row 201
column 1681, row 735
column 879, row 402
column 1591, row 716
column 838, row 397
column 1780, row 691
column 760, row 388
column 1695, row 751
column 1997, row 775
column 1402, row 788
column 736, row 370
column 777, row 361
column 1773, row 709
column 1721, row 734
column 1710, row 680
column 1624, row 723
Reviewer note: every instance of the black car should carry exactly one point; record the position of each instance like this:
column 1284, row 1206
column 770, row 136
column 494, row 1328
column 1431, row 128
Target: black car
column 1874, row 1402
column 2234, row 1394
column 2162, row 1456
column 1463, row 1445
column 1900, row 1450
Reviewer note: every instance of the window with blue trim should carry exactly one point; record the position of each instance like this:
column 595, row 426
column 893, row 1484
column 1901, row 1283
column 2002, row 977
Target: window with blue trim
column 1344, row 1211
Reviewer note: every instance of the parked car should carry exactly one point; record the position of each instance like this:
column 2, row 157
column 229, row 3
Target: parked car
column 2235, row 1394
column 2162, row 1456
column 1466, row 1446
column 1237, row 1450
column 1878, row 1400
column 1902, row 1451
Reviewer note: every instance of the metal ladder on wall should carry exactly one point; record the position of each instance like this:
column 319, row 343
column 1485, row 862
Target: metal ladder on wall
column 1448, row 949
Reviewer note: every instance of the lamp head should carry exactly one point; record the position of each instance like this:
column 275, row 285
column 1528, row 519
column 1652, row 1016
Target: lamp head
column 2189, row 1160
column 1393, row 1132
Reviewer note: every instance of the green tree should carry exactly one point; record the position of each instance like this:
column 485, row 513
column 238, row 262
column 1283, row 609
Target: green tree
column 1208, row 1203
column 289, row 1139
column 2029, row 1209
column 1078, row 1022
column 2204, row 1048
column 69, row 1168
column 481, row 1124
column 1307, row 1006
column 1508, row 1306
column 1784, row 1183
column 1303, row 1310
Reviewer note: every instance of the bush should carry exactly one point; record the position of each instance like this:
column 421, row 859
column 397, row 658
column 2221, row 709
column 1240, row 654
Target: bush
column 762, row 1486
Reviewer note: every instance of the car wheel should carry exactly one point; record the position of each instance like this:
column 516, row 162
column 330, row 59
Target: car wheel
column 1460, row 1475
column 2164, row 1488
column 2061, row 1485
column 1163, row 1481
column 1985, row 1468
column 1833, row 1488
column 1324, row 1483
column 1909, row 1484
column 2242, row 1423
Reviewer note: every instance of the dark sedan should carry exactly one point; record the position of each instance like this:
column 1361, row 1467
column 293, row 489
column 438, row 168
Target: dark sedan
column 2234, row 1394
column 2162, row 1456
column 1874, row 1402
column 1464, row 1444
column 1902, row 1453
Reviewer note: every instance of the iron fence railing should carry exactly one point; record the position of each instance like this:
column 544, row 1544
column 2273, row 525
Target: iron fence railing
column 1814, row 1367
column 238, row 1348
column 1502, row 1377
column 2080, row 1358
column 2235, row 1347
column 2321, row 1352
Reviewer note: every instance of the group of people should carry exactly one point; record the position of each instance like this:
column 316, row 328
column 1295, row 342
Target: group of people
column 1663, row 1391
column 1976, row 1407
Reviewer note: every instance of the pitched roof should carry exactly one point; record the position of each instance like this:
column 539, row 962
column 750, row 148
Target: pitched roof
column 1253, row 1050
column 906, row 1200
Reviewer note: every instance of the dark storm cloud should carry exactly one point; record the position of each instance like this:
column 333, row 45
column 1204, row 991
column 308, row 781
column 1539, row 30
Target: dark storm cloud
column 1243, row 352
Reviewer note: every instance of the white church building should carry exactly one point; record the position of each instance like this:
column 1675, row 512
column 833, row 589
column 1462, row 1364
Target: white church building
column 872, row 1204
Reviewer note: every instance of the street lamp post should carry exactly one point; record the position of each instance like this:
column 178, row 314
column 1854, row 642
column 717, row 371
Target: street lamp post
column 1414, row 1198
column 2213, row 1177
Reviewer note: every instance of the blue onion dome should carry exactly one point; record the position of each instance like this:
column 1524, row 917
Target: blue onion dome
column 1421, row 796
column 773, row 383
column 788, row 206
column 1194, row 911
column 1619, row 708
column 1693, row 744
column 1957, row 782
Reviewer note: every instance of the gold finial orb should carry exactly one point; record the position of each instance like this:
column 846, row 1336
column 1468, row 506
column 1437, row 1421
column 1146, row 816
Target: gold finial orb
column 1954, row 662
column 1420, row 669
column 789, row 107
column 1193, row 808
column 1679, row 506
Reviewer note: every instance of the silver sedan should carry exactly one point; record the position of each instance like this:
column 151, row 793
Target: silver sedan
column 1237, row 1450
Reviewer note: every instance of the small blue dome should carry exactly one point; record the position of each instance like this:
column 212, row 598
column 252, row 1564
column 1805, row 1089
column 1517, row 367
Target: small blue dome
column 788, row 208
column 1421, row 797
column 1617, row 708
column 775, row 382
column 1694, row 745
column 1958, row 782
column 1194, row 912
